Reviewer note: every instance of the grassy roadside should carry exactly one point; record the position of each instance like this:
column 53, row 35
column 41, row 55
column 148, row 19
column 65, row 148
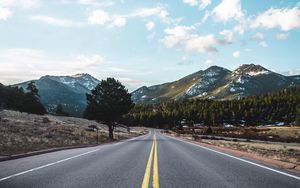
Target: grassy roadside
column 285, row 152
column 23, row 133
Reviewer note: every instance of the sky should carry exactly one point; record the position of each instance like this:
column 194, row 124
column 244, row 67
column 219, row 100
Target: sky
column 145, row 42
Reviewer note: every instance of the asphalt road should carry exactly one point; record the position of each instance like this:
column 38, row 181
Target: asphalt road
column 152, row 159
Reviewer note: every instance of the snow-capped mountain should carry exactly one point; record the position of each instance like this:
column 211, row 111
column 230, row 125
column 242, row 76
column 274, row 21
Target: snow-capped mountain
column 78, row 82
column 213, row 83
column 70, row 91
column 218, row 83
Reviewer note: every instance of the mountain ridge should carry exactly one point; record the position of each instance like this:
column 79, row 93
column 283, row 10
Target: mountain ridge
column 70, row 91
column 217, row 83
column 214, row 82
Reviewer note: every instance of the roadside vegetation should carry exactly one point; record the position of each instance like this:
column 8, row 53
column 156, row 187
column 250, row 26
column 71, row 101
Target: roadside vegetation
column 282, row 107
column 107, row 103
column 23, row 132
column 110, row 104
column 15, row 98
column 255, row 149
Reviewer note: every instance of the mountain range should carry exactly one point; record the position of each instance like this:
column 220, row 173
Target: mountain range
column 70, row 91
column 213, row 83
column 218, row 83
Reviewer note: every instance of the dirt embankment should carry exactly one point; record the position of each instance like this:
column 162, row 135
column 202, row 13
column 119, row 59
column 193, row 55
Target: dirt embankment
column 22, row 132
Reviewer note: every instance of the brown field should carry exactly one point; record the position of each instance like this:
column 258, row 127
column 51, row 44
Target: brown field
column 22, row 132
column 265, row 133
column 281, row 152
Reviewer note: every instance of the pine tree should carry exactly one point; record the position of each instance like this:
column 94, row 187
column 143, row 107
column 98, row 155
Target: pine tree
column 108, row 102
column 60, row 111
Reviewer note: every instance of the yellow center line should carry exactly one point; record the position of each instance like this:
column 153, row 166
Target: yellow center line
column 147, row 175
column 148, row 169
column 155, row 166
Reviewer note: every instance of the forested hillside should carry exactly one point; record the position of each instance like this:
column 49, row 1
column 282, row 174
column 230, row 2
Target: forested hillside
column 271, row 108
column 16, row 99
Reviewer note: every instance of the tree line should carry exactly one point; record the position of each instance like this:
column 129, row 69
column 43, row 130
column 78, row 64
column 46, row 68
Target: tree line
column 110, row 102
column 15, row 98
column 281, row 106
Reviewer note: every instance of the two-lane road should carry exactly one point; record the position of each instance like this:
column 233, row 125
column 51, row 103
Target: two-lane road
column 150, row 160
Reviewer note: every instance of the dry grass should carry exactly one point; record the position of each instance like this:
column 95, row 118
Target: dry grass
column 287, row 152
column 275, row 133
column 22, row 132
column 285, row 132
column 282, row 152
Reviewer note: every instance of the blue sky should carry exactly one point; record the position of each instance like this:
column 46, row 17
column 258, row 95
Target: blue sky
column 145, row 42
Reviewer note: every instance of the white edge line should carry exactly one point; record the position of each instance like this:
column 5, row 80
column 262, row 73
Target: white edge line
column 47, row 165
column 240, row 159
column 63, row 160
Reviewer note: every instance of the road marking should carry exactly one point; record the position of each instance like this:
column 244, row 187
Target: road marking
column 63, row 160
column 47, row 165
column 146, row 179
column 240, row 159
column 155, row 166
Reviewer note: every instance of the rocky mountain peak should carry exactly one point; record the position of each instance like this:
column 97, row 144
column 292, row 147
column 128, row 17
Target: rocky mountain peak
column 251, row 70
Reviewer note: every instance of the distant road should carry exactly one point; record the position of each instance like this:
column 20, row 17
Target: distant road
column 152, row 159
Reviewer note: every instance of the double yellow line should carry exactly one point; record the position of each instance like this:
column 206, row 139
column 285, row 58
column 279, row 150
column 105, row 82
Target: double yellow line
column 155, row 167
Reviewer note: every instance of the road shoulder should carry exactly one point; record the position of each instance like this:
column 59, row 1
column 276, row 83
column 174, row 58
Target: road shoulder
column 245, row 155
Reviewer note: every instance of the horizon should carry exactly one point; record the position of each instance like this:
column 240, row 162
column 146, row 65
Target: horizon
column 145, row 43
column 170, row 81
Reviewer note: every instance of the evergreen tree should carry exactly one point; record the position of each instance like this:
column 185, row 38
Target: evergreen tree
column 15, row 98
column 298, row 117
column 33, row 89
column 108, row 102
column 60, row 111
column 270, row 108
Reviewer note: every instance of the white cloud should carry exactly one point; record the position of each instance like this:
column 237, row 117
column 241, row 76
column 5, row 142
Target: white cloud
column 98, row 17
column 239, row 28
column 150, row 26
column 290, row 72
column 184, row 60
column 96, row 3
column 21, row 64
column 178, row 30
column 182, row 36
column 5, row 13
column 201, row 3
column 205, row 17
column 282, row 36
column 226, row 10
column 119, row 21
column 56, row 21
column 236, row 54
column 208, row 62
column 204, row 3
column 26, row 4
column 263, row 44
column 285, row 19
column 88, row 61
column 160, row 12
column 201, row 44
column 130, row 83
column 258, row 37
column 228, row 36
column 156, row 11
column 191, row 2
column 176, row 35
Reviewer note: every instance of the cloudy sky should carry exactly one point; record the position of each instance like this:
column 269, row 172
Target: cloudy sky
column 145, row 42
